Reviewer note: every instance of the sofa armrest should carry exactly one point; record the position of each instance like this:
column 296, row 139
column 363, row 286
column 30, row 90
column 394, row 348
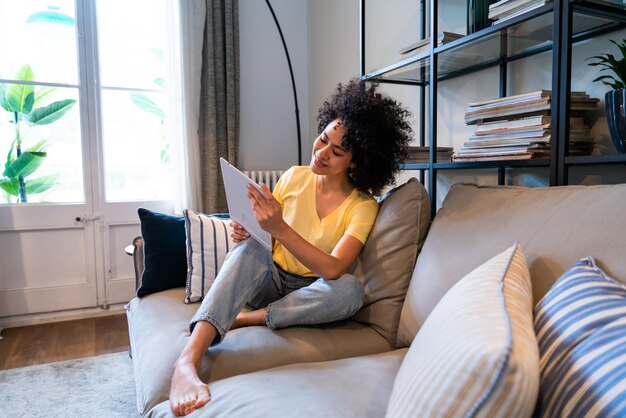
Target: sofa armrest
column 136, row 251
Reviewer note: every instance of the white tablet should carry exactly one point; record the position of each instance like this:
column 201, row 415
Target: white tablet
column 239, row 206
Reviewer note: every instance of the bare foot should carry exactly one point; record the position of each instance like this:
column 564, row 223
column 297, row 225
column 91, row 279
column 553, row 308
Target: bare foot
column 246, row 319
column 187, row 392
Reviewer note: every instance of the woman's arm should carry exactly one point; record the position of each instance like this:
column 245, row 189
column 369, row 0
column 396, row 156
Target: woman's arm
column 329, row 266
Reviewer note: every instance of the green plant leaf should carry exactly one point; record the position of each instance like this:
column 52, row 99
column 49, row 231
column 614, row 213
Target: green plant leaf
column 42, row 92
column 20, row 98
column 616, row 65
column 145, row 103
column 42, row 184
column 3, row 98
column 51, row 16
column 11, row 186
column 160, row 81
column 51, row 113
column 25, row 73
column 25, row 165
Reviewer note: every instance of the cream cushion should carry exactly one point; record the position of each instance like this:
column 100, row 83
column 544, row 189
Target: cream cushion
column 386, row 263
column 554, row 225
column 476, row 355
column 207, row 240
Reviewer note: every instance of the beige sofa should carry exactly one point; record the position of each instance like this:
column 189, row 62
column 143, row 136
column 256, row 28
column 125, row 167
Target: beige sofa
column 351, row 369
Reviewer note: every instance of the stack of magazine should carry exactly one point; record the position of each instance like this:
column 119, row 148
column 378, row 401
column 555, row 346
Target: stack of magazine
column 507, row 9
column 419, row 155
column 518, row 127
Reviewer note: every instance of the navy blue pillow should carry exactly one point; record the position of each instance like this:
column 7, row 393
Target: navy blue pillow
column 165, row 258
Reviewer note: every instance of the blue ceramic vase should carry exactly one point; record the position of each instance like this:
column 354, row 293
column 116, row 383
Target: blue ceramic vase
column 616, row 117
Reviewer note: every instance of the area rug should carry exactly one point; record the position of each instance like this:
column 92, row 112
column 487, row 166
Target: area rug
column 94, row 387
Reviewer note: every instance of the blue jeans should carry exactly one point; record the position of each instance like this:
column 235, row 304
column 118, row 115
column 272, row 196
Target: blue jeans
column 249, row 276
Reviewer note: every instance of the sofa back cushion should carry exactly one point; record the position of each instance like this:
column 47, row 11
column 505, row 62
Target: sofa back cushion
column 386, row 263
column 554, row 225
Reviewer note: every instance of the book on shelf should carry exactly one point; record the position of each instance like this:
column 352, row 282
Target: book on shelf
column 521, row 105
column 424, row 44
column 507, row 9
column 530, row 149
column 418, row 155
column 504, row 150
column 521, row 156
column 527, row 123
column 581, row 133
column 505, row 130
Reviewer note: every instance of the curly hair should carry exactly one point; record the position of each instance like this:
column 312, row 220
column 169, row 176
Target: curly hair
column 377, row 132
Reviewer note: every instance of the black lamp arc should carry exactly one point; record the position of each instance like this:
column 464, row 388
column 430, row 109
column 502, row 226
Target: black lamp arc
column 293, row 81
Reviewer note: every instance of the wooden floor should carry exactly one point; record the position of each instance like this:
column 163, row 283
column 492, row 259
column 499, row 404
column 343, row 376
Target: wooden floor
column 47, row 343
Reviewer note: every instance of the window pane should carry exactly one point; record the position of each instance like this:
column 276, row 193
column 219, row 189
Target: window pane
column 132, row 42
column 51, row 155
column 133, row 51
column 136, row 154
column 41, row 34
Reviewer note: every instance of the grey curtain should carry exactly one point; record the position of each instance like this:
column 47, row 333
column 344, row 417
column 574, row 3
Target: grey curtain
column 218, row 127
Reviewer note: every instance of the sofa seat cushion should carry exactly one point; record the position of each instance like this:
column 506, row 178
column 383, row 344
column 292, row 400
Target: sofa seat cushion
column 351, row 387
column 158, row 328
column 554, row 226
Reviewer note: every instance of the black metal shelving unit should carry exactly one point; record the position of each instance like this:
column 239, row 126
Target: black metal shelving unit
column 555, row 26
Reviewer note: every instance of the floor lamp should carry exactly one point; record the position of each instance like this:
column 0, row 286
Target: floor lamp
column 293, row 81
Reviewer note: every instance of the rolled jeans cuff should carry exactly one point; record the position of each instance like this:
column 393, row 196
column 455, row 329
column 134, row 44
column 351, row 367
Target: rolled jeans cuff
column 221, row 332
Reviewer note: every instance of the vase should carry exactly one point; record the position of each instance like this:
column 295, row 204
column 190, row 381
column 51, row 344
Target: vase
column 616, row 117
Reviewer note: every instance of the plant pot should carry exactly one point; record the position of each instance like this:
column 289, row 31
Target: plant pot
column 616, row 117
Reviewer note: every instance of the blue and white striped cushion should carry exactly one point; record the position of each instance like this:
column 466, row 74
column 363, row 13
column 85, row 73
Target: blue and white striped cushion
column 476, row 353
column 581, row 329
column 208, row 240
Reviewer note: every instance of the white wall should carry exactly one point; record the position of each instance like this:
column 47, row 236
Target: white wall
column 268, row 133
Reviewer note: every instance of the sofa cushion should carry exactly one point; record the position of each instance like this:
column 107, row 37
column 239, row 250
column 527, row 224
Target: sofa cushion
column 353, row 387
column 581, row 329
column 386, row 263
column 158, row 330
column 554, row 226
column 476, row 354
column 165, row 265
column 208, row 240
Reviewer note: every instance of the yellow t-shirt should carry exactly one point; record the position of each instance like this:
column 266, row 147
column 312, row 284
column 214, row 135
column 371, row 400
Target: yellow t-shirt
column 295, row 191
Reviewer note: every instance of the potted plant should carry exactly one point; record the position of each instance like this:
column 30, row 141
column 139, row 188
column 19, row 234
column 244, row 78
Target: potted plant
column 23, row 102
column 615, row 99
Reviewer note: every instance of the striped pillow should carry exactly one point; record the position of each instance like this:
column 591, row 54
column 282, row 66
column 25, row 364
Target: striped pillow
column 476, row 353
column 581, row 329
column 208, row 241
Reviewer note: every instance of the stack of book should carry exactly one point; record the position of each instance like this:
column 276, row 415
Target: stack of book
column 424, row 44
column 507, row 9
column 518, row 127
column 419, row 155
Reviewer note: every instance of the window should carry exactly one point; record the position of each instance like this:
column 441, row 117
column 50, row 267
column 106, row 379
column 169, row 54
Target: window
column 117, row 109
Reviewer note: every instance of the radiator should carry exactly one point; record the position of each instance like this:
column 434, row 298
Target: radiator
column 269, row 177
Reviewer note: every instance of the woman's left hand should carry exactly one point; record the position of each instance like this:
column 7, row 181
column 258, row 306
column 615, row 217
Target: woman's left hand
column 267, row 210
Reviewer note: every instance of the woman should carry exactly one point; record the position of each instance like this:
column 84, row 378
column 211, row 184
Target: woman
column 319, row 217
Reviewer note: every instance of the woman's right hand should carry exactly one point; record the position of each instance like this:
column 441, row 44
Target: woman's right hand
column 239, row 232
